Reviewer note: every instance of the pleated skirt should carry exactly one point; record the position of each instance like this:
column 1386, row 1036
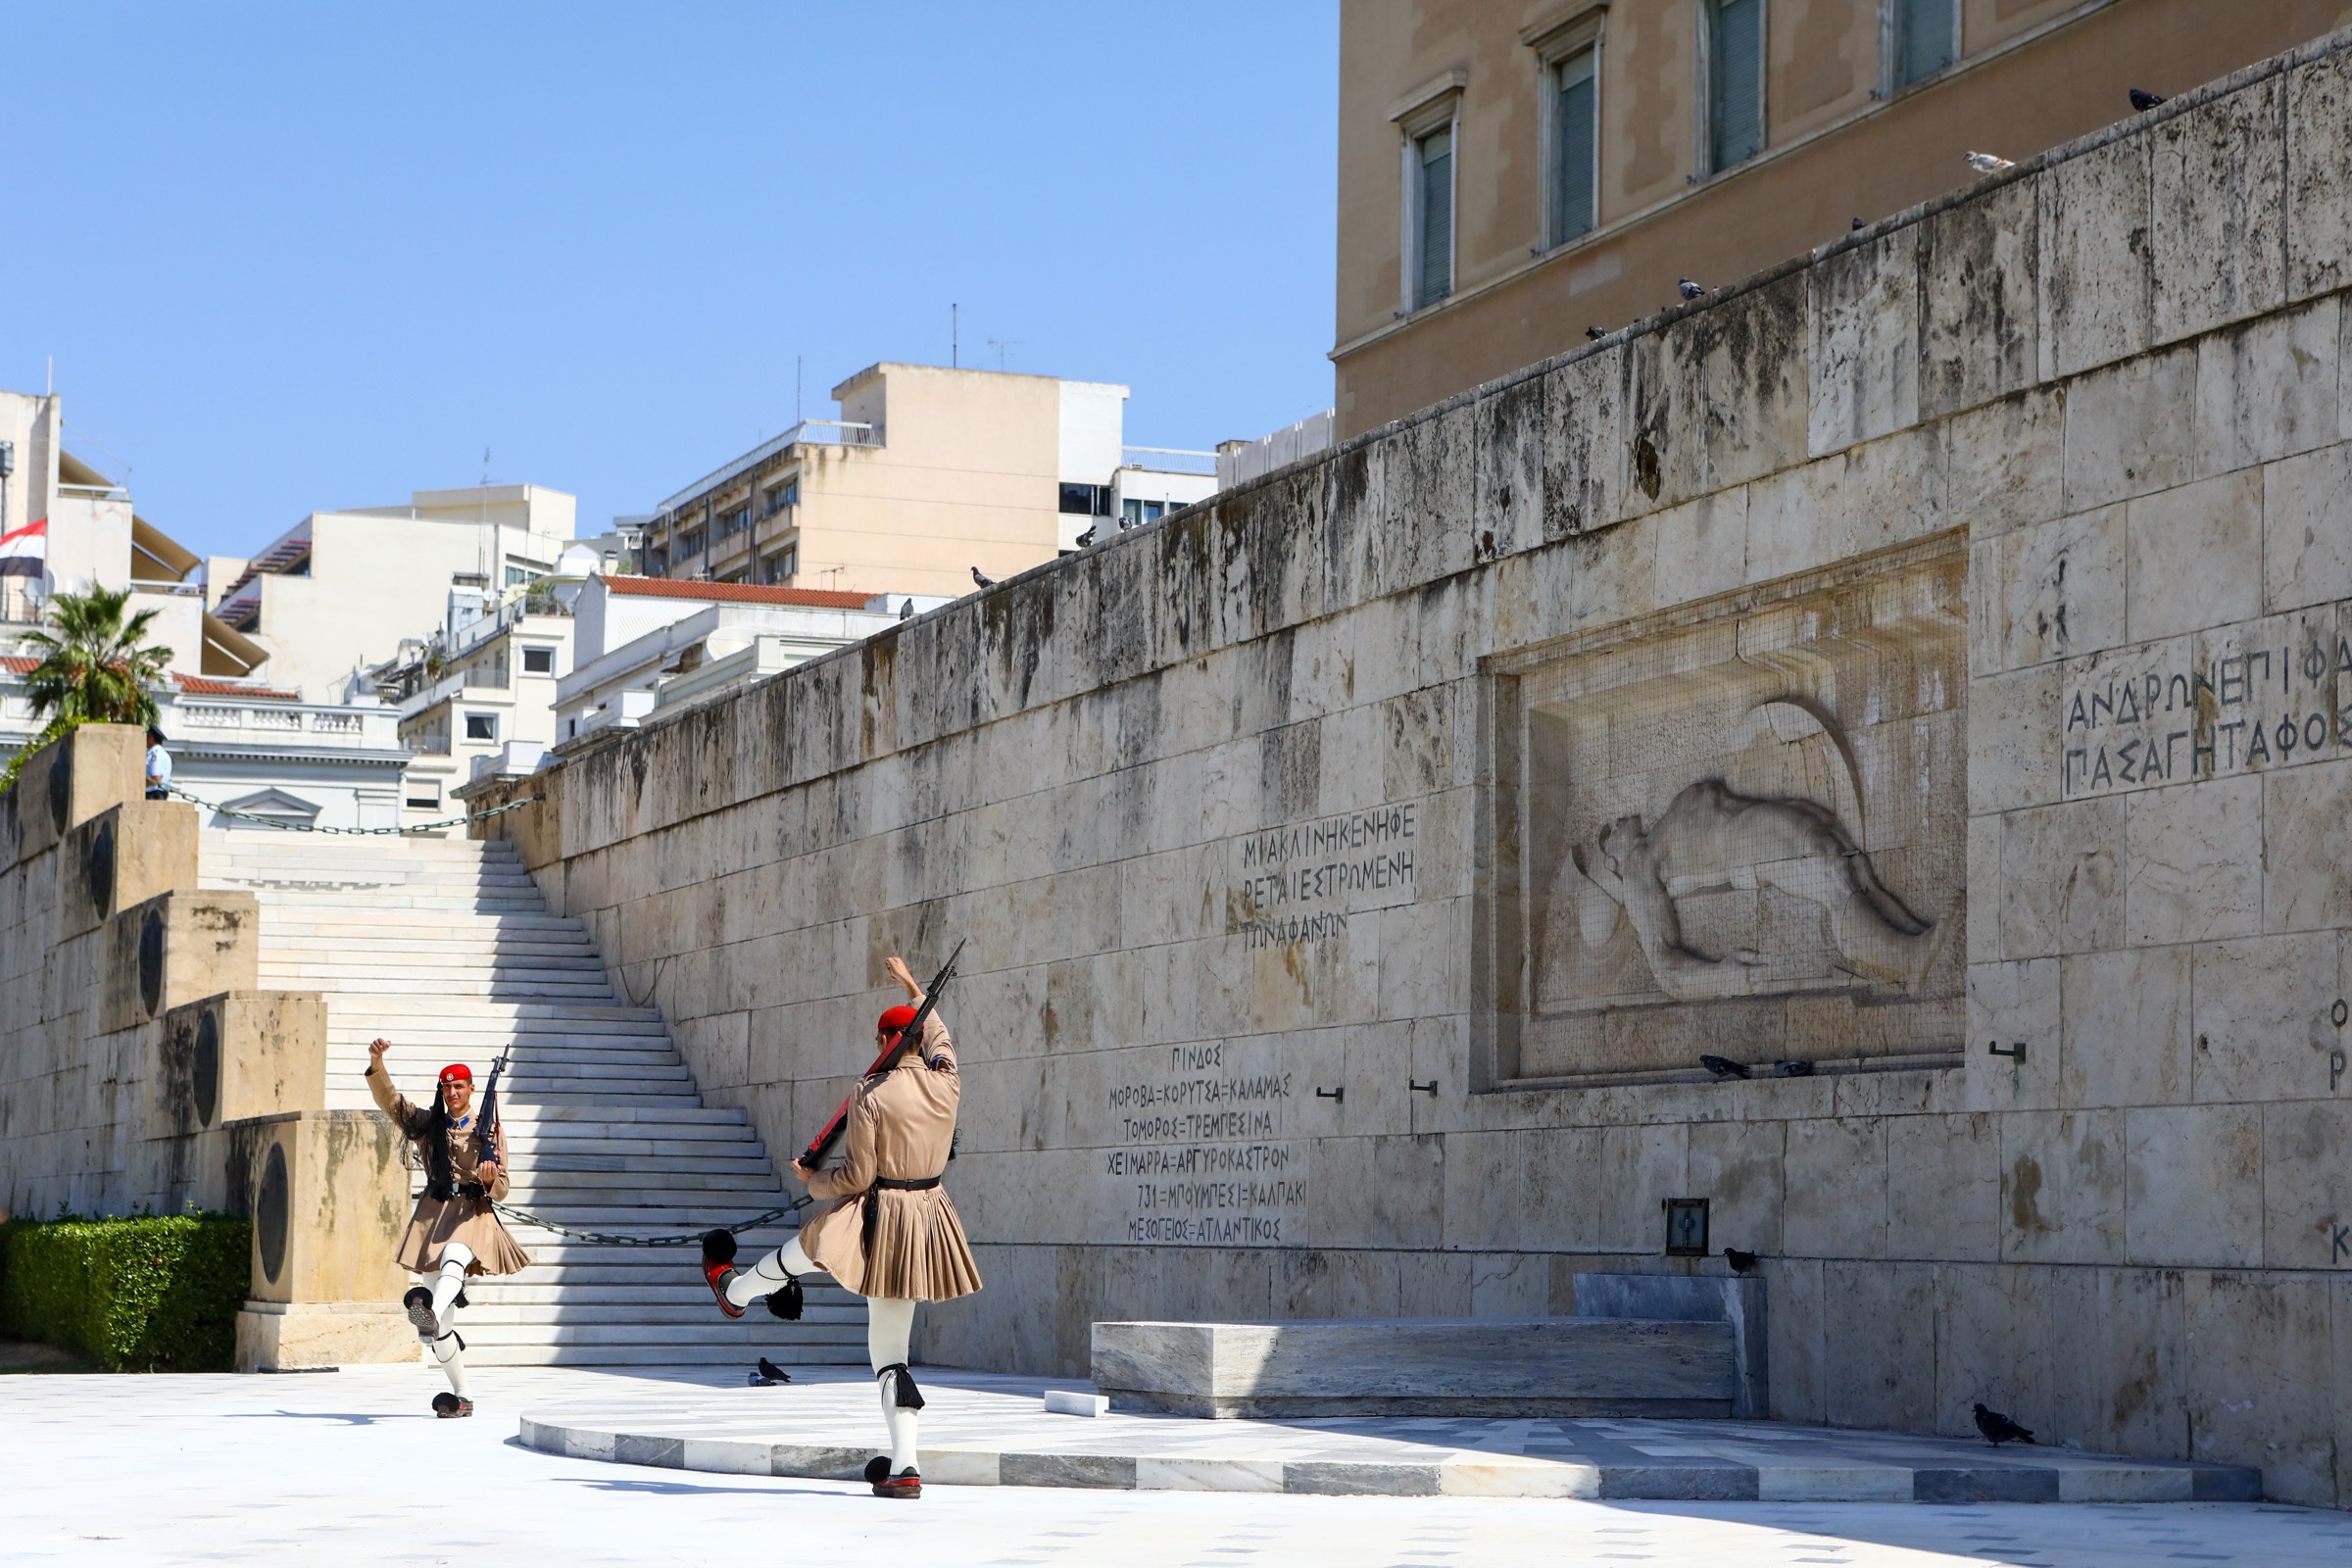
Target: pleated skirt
column 919, row 1251
column 470, row 1220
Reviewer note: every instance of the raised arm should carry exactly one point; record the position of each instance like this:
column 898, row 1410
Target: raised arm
column 388, row 1100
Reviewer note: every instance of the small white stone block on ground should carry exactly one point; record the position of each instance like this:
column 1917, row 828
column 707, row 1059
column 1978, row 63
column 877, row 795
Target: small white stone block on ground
column 1066, row 1402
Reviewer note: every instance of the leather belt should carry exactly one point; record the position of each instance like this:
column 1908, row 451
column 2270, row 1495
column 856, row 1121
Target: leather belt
column 886, row 1184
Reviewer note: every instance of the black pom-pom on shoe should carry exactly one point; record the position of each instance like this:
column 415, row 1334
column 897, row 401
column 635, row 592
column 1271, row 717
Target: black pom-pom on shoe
column 718, row 1247
column 786, row 1300
column 877, row 1469
column 451, row 1406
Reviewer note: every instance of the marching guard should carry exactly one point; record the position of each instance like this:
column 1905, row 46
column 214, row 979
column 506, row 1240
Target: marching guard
column 454, row 1232
column 890, row 1233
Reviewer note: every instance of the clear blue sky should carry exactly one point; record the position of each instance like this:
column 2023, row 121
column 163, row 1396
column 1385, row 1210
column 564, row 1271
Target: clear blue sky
column 290, row 258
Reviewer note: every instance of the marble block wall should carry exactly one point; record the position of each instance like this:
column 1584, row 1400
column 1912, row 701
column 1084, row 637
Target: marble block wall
column 1935, row 643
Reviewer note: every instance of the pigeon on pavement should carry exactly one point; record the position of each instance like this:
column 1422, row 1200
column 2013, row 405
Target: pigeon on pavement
column 1723, row 1067
column 1998, row 1428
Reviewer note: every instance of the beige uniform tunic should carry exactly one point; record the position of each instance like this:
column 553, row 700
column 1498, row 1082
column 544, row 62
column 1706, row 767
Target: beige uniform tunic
column 438, row 1221
column 902, row 1124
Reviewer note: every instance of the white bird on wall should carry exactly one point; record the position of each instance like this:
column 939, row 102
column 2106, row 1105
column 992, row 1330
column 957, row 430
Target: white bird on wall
column 1989, row 163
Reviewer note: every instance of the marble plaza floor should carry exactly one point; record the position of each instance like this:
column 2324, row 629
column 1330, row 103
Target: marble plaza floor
column 346, row 1468
column 985, row 1430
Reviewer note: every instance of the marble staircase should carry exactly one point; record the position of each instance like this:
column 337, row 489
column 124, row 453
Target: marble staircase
column 446, row 948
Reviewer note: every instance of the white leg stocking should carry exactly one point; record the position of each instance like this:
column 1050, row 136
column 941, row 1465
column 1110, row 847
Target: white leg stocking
column 769, row 1273
column 889, row 1330
column 455, row 1258
column 450, row 1352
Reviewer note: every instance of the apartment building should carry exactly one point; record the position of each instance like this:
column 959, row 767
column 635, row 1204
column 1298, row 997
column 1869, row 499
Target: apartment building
column 929, row 475
column 480, row 693
column 90, row 534
column 339, row 591
column 645, row 644
column 1517, row 174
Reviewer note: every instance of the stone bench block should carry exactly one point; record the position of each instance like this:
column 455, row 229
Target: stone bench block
column 1571, row 1366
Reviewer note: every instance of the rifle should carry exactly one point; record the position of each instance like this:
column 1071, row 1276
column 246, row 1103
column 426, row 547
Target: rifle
column 491, row 1131
column 822, row 1143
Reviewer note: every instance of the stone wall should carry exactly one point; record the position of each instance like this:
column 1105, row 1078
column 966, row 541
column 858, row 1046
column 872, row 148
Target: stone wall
column 1861, row 668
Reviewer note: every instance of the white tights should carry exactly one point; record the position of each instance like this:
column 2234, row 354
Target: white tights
column 447, row 1350
column 889, row 1331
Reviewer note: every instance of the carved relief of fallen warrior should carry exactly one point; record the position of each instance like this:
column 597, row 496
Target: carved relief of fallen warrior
column 1713, row 838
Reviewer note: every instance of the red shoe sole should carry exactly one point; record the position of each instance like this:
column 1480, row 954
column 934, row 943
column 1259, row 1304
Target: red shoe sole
column 899, row 1488
column 717, row 1275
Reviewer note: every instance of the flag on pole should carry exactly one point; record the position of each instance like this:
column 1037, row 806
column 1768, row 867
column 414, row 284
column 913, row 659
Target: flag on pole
column 25, row 552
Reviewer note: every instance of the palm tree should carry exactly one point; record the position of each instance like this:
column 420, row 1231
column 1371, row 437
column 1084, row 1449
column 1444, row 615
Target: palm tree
column 92, row 668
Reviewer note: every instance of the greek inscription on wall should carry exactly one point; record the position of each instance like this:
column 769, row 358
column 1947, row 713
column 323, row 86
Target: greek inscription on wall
column 1199, row 1154
column 1300, row 882
column 2243, row 699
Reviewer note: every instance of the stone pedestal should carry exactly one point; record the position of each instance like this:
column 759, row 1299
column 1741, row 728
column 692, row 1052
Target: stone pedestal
column 330, row 1199
column 1572, row 1366
column 284, row 1336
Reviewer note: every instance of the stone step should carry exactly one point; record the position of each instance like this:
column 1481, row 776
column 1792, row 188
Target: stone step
column 472, row 1012
column 579, row 1310
column 641, row 1119
column 769, row 1341
column 543, row 1181
column 536, row 1161
column 616, row 1294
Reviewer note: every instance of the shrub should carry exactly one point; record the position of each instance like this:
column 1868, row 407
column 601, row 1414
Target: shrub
column 143, row 1294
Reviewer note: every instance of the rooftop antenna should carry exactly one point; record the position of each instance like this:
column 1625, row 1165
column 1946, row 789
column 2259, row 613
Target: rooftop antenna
column 954, row 338
column 796, row 389
column 1002, row 345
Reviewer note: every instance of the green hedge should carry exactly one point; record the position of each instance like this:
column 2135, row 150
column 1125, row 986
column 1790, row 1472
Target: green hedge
column 145, row 1294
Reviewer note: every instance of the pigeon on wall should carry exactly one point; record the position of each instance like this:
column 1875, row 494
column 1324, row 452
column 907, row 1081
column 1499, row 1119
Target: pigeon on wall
column 1741, row 1262
column 1086, row 538
column 1989, row 162
column 1596, row 333
column 1723, row 1067
column 1690, row 290
column 980, row 581
column 2144, row 100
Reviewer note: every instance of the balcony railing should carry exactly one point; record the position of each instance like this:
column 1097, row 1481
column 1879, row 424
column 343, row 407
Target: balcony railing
column 827, row 432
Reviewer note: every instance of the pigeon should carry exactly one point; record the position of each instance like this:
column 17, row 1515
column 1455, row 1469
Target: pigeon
column 1741, row 1262
column 2144, row 100
column 1792, row 1069
column 1086, row 538
column 769, row 1372
column 984, row 582
column 1858, row 223
column 1597, row 334
column 1989, row 163
column 2000, row 1429
column 907, row 610
column 1690, row 290
column 1723, row 1067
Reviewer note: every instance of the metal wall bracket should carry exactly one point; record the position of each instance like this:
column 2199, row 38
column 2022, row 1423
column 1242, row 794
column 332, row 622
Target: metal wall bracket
column 2016, row 1052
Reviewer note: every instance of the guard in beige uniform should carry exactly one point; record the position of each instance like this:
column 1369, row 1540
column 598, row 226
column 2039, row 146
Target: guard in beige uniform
column 890, row 1233
column 455, row 1233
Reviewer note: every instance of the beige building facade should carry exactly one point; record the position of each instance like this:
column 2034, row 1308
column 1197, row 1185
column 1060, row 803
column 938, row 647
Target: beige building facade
column 1515, row 174
column 930, row 473
column 340, row 591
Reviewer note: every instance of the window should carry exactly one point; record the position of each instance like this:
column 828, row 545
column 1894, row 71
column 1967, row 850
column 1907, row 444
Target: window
column 1574, row 145
column 690, row 543
column 1078, row 499
column 538, row 660
column 1429, row 195
column 733, row 521
column 781, row 565
column 776, row 497
column 1924, row 38
column 516, row 576
column 424, row 793
column 1735, row 99
column 481, row 726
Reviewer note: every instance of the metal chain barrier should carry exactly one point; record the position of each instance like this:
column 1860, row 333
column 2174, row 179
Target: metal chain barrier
column 354, row 832
column 607, row 1239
